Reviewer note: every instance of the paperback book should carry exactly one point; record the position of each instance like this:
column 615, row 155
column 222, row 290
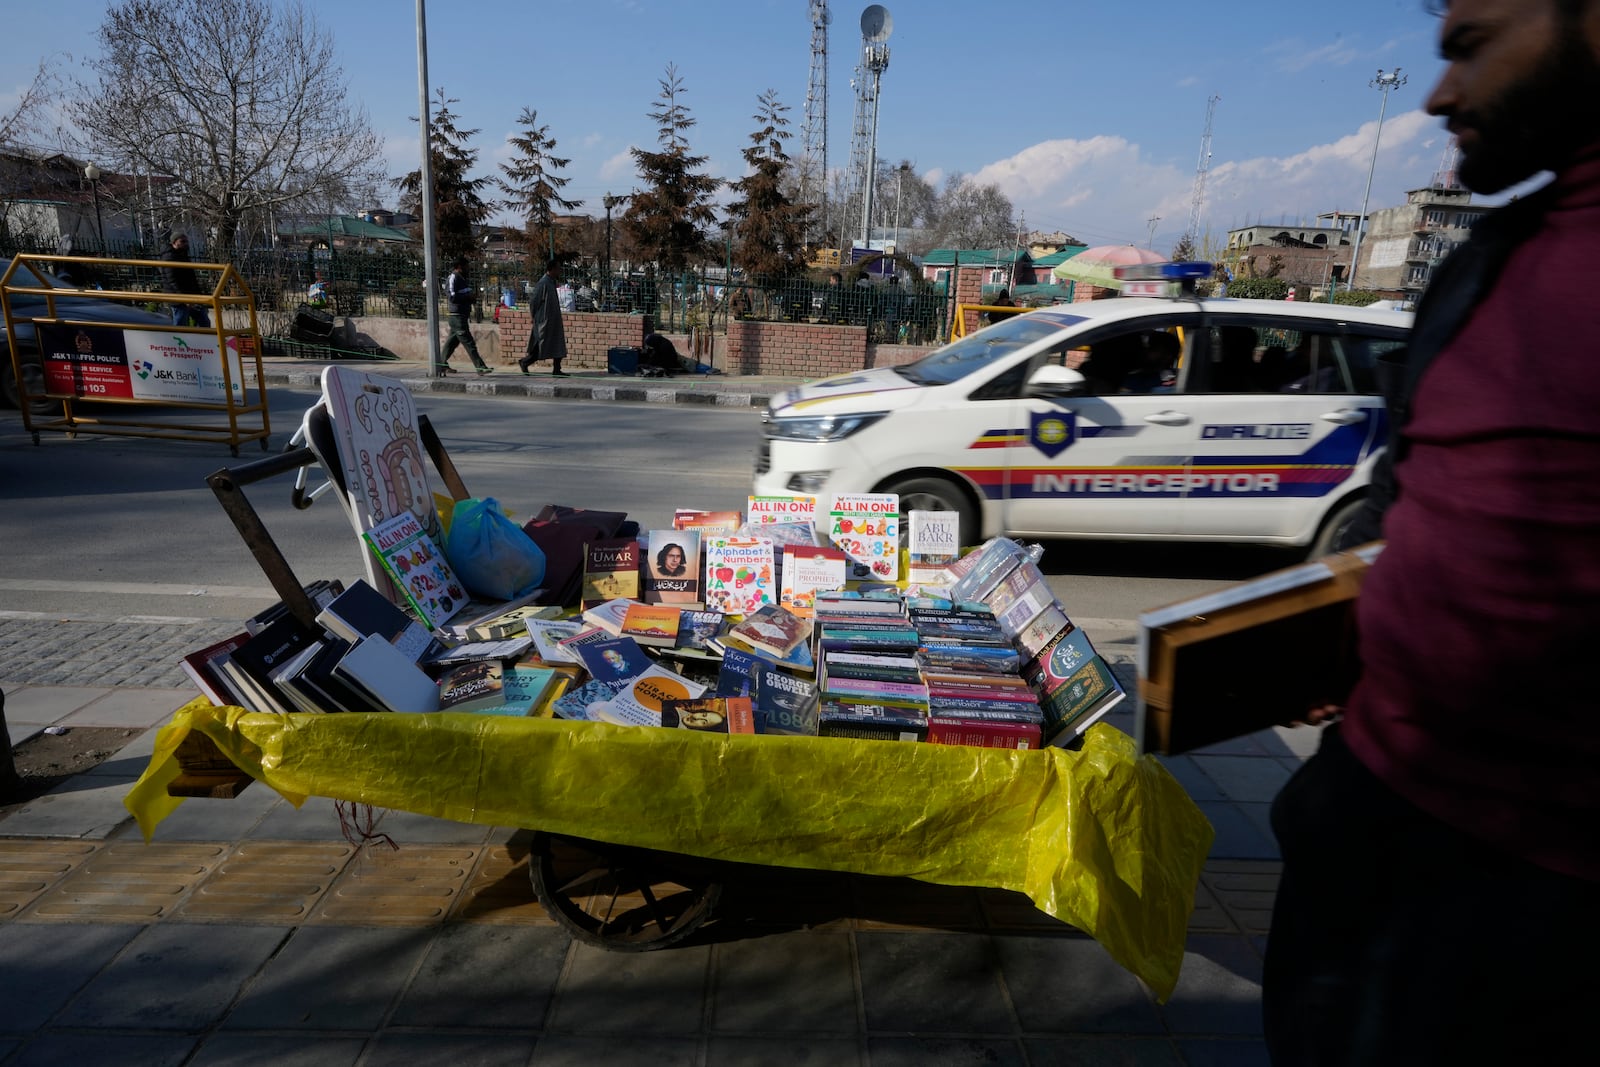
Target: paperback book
column 933, row 542
column 361, row 611
column 866, row 527
column 416, row 565
column 613, row 659
column 695, row 628
column 781, row 508
column 640, row 700
column 739, row 574
column 770, row 630
column 577, row 700
column 672, row 568
column 547, row 636
column 710, row 714
column 808, row 571
column 512, row 622
column 784, row 704
column 609, row 615
column 610, row 570
column 709, row 523
column 652, row 625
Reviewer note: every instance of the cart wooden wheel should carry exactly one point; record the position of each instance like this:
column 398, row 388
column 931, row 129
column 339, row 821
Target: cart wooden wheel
column 620, row 898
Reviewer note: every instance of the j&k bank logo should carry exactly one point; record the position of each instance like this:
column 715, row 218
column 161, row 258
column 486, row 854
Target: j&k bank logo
column 1051, row 432
column 143, row 367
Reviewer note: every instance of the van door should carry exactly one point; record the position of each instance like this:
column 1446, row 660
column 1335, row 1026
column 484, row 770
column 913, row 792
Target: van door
column 1111, row 460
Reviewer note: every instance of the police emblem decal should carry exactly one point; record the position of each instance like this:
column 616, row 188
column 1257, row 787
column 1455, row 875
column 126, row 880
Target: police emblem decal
column 1051, row 432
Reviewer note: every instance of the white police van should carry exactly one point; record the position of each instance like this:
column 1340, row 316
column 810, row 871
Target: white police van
column 1166, row 419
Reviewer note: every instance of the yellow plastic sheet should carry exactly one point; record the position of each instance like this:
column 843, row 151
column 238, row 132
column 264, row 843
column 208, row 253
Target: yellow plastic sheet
column 1100, row 838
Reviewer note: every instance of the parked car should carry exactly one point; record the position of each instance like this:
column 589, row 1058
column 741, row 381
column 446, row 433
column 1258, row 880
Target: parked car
column 27, row 306
column 1184, row 420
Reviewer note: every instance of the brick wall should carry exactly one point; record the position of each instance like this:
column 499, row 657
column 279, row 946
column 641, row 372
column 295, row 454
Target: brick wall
column 795, row 348
column 589, row 335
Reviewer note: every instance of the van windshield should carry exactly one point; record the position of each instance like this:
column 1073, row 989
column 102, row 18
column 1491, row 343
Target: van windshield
column 979, row 350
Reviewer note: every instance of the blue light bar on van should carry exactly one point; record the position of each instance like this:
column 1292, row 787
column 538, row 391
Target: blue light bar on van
column 1164, row 272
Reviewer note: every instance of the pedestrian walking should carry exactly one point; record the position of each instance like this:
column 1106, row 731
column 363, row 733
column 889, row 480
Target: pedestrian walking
column 180, row 278
column 458, row 289
column 547, row 339
column 1440, row 893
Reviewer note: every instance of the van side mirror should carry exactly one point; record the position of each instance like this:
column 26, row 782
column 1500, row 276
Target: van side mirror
column 1053, row 380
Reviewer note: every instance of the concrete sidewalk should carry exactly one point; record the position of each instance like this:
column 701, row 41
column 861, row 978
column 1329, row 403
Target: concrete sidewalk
column 250, row 932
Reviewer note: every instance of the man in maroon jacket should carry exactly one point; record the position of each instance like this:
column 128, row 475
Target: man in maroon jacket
column 1440, row 899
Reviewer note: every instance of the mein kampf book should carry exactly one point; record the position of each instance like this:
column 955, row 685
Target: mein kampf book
column 739, row 574
column 610, row 570
column 808, row 570
column 417, row 566
column 672, row 568
column 866, row 527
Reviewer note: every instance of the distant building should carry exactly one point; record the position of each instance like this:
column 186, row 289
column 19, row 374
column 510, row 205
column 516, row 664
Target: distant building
column 1403, row 244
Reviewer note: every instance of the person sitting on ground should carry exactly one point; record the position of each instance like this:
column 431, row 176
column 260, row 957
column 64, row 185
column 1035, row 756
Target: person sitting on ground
column 659, row 353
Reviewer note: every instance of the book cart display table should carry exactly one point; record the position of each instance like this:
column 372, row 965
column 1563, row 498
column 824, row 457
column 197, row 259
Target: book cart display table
column 636, row 828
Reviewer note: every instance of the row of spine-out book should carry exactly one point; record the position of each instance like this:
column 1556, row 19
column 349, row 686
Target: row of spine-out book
column 994, row 661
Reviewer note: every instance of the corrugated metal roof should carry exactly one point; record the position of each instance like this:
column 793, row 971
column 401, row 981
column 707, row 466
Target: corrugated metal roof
column 974, row 257
column 344, row 226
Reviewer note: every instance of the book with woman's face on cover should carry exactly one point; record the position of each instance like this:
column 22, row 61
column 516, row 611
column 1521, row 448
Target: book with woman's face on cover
column 672, row 568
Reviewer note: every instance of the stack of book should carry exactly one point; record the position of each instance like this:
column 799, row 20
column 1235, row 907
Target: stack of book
column 976, row 693
column 869, row 685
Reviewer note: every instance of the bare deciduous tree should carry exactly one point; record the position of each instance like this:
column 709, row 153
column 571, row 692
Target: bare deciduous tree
column 236, row 107
column 969, row 215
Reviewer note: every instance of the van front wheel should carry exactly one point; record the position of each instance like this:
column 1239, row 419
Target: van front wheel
column 1334, row 528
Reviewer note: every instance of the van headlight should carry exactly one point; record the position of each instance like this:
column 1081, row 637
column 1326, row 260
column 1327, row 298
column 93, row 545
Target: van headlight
column 821, row 428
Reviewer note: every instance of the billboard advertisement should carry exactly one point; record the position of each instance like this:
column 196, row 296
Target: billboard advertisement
column 110, row 363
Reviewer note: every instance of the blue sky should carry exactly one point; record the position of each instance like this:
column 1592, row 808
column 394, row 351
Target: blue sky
column 1088, row 115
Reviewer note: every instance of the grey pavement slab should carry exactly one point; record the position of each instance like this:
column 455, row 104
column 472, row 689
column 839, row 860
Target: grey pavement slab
column 617, row 1049
column 791, row 1050
column 485, row 977
column 128, row 706
column 215, row 820
column 84, row 807
column 1070, row 985
column 146, row 1050
column 130, row 761
column 1222, row 1052
column 1245, row 778
column 278, row 1050
column 332, row 978
column 1238, row 836
column 932, row 983
column 409, row 828
column 173, row 976
column 756, row 980
column 45, row 966
column 642, row 993
column 49, row 703
column 946, row 1052
column 403, row 1049
column 1219, row 989
column 1101, row 1052
column 317, row 819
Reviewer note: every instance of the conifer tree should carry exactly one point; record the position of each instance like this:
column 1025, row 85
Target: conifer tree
column 458, row 203
column 769, row 228
column 532, row 183
column 667, row 220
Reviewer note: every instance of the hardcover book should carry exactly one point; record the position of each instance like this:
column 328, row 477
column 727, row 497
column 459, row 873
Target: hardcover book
column 1045, row 627
column 249, row 667
column 712, row 715
column 739, row 574
column 866, row 527
column 808, row 571
column 652, row 625
column 672, row 568
column 512, row 622
column 467, row 651
column 1086, row 697
column 199, row 665
column 640, row 700
column 417, row 566
column 781, row 508
column 871, row 722
column 320, row 592
column 481, row 616
column 771, row 630
column 982, row 733
column 610, row 570
column 361, row 611
column 383, row 673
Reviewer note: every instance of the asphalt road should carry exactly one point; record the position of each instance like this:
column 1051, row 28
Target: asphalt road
column 107, row 527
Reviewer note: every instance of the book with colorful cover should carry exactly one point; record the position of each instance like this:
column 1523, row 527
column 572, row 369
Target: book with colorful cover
column 609, row 615
column 531, row 686
column 781, row 508
column 709, row 523
column 613, row 659
column 709, row 714
column 610, row 570
column 866, row 527
column 639, row 701
column 739, row 574
column 476, row 687
column 414, row 562
column 652, row 625
column 738, row 676
column 695, row 628
column 982, row 733
column 547, row 636
column 201, row 668
column 1044, row 628
column 784, row 704
column 771, row 630
column 1076, row 686
column 576, row 701
column 933, row 542
column 672, row 568
column 871, row 722
column 808, row 571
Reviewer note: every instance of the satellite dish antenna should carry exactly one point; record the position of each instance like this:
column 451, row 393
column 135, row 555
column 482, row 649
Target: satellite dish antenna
column 876, row 23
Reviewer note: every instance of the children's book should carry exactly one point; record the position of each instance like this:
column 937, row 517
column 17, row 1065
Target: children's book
column 782, row 508
column 866, row 526
column 672, row 568
column 739, row 574
column 640, row 700
column 417, row 566
column 808, row 571
column 652, row 625
column 610, row 570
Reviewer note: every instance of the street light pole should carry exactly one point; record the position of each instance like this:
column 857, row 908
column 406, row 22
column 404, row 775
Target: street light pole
column 1383, row 83
column 92, row 173
column 610, row 202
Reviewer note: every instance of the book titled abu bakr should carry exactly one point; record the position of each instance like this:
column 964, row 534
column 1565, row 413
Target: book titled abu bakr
column 933, row 542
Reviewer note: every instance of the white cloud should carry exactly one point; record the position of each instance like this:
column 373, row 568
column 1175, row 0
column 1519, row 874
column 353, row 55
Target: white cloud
column 619, row 166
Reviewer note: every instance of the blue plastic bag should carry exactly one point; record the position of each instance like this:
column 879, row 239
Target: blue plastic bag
column 491, row 555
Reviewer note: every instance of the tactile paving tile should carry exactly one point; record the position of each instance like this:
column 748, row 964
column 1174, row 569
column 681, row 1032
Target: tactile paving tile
column 1246, row 890
column 499, row 892
column 267, row 882
column 409, row 886
column 130, row 882
column 29, row 866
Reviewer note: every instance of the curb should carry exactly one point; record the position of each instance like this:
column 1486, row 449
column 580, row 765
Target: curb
column 726, row 393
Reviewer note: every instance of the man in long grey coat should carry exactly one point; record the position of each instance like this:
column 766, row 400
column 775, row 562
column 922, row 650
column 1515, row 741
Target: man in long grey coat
column 548, row 339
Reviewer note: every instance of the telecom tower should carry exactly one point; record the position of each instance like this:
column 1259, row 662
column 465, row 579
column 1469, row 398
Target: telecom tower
column 814, row 148
column 875, row 27
column 1200, row 171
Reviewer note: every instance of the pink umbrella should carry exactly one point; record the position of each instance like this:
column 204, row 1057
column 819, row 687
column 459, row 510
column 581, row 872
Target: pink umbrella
column 1096, row 266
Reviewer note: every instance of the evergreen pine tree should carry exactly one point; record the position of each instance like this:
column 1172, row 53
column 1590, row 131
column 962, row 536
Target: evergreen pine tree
column 769, row 228
column 532, row 184
column 458, row 203
column 668, row 218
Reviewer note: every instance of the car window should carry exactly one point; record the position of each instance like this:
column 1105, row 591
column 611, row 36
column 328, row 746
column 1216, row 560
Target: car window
column 1128, row 361
column 979, row 350
column 1296, row 357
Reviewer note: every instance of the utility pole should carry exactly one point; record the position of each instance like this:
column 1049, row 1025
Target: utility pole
column 605, row 286
column 1152, row 220
column 1383, row 83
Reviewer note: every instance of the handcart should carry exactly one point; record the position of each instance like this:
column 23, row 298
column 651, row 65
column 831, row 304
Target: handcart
column 1098, row 838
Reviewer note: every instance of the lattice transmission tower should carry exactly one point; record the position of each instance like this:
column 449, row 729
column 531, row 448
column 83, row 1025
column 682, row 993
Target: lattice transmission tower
column 814, row 138
column 1200, row 171
column 875, row 27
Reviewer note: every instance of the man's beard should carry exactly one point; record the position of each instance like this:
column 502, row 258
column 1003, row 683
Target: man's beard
column 1538, row 123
